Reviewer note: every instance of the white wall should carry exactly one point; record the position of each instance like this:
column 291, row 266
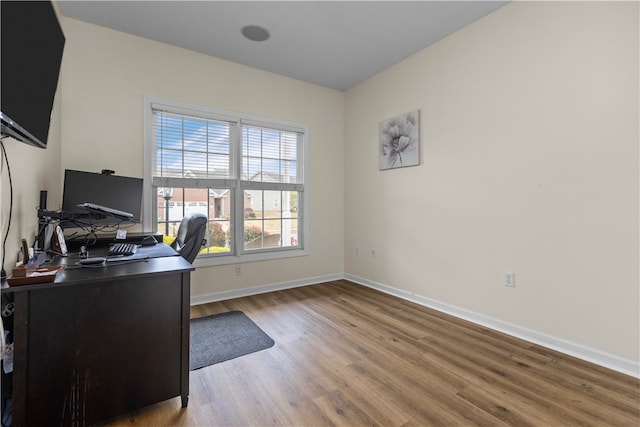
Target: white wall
column 529, row 164
column 106, row 75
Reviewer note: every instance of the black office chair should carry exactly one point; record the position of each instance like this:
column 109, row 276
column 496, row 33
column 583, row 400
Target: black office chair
column 190, row 236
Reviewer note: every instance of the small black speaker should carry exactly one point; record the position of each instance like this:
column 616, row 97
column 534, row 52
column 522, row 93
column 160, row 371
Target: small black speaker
column 42, row 223
column 43, row 200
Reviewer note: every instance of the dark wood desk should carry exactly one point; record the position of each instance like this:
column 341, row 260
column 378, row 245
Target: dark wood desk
column 101, row 341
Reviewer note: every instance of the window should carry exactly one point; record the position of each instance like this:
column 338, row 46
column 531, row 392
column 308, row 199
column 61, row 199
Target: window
column 247, row 174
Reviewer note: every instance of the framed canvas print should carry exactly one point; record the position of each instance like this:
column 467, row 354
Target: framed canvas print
column 399, row 144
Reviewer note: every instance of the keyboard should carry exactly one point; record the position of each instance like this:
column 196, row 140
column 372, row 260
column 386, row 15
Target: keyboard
column 122, row 249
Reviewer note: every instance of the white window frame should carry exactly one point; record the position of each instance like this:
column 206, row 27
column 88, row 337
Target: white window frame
column 150, row 201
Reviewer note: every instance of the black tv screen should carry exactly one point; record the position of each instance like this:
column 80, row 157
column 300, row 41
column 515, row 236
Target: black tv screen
column 112, row 191
column 31, row 47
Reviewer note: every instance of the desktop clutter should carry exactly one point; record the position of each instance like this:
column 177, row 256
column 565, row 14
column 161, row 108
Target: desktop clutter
column 120, row 249
column 91, row 204
column 29, row 271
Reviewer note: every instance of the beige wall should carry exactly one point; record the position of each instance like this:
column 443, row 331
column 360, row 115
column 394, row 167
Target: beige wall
column 529, row 164
column 32, row 170
column 107, row 74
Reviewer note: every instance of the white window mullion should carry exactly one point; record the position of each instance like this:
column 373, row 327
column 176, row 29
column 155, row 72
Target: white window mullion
column 193, row 182
column 182, row 144
column 271, row 186
column 238, row 224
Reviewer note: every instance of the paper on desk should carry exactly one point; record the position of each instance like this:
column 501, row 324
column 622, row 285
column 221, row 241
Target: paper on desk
column 43, row 272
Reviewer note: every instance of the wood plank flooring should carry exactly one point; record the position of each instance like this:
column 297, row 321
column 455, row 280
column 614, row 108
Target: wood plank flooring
column 346, row 355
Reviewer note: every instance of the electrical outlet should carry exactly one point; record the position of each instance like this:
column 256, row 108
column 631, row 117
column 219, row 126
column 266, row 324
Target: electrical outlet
column 373, row 252
column 509, row 279
column 238, row 270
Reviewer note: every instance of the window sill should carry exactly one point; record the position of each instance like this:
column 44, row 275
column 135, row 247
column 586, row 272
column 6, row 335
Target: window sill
column 212, row 260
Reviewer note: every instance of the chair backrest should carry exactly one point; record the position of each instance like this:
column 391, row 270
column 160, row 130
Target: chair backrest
column 190, row 236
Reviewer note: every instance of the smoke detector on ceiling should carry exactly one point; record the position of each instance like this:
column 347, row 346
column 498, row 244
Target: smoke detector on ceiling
column 255, row 33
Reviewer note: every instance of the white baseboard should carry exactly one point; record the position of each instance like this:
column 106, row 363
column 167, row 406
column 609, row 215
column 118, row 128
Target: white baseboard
column 625, row 366
column 225, row 295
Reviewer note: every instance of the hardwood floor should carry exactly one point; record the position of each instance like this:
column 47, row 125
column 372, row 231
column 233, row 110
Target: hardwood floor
column 346, row 355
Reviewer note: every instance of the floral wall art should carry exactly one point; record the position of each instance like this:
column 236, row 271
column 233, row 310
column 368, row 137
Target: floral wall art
column 400, row 141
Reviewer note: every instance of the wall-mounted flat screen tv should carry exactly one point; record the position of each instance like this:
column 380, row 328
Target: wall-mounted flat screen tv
column 31, row 47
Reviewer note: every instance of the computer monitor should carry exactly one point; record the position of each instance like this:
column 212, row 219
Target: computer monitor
column 120, row 193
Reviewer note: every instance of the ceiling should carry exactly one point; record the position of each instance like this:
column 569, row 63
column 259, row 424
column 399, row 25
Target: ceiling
column 335, row 44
